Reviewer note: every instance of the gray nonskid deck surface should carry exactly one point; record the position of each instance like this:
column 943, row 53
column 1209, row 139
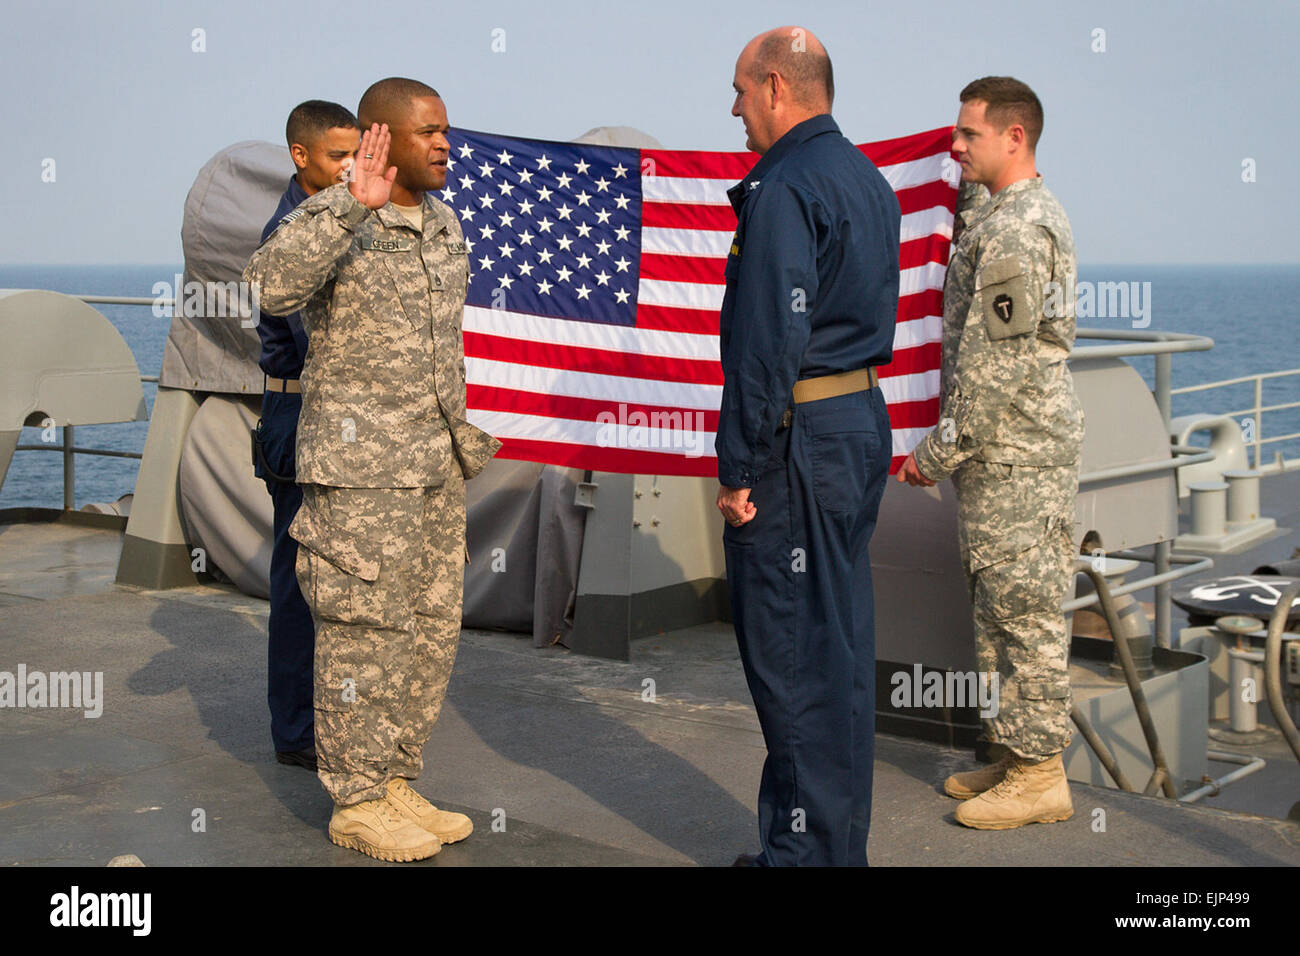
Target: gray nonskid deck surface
column 584, row 762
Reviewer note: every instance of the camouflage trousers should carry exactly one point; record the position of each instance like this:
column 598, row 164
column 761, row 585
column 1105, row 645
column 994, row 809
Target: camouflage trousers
column 382, row 570
column 1015, row 527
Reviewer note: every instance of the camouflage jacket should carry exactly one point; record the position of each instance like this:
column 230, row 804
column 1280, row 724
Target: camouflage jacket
column 383, row 386
column 970, row 197
column 1006, row 394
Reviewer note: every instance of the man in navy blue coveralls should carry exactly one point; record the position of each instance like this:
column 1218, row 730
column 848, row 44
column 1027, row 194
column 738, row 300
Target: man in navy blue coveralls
column 803, row 445
column 323, row 139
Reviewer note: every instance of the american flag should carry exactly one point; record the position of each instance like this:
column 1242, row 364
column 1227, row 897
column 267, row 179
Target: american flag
column 591, row 323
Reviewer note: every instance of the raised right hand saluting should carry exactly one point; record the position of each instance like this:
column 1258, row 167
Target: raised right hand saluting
column 370, row 184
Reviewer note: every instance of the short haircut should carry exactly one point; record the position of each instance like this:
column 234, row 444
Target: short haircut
column 807, row 70
column 308, row 121
column 1008, row 101
column 389, row 99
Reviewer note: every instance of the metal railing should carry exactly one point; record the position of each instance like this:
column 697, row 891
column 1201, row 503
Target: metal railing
column 1256, row 414
column 123, row 299
column 1161, row 346
column 1189, row 564
column 68, row 449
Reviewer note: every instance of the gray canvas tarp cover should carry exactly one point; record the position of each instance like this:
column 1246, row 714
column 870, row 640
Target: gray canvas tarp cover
column 525, row 533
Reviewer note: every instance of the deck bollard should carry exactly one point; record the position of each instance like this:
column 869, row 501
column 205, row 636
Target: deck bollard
column 1243, row 495
column 1209, row 507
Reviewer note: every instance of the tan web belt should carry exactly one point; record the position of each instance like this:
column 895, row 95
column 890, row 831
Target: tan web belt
column 829, row 386
column 290, row 385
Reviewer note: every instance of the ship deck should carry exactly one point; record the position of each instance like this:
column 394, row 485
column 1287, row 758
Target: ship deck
column 563, row 749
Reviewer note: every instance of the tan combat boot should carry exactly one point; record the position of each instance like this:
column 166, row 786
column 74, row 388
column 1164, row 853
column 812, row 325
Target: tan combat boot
column 379, row 829
column 972, row 783
column 449, row 827
column 1029, row 793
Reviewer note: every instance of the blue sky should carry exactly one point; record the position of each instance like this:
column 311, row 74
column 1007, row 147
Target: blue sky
column 1144, row 142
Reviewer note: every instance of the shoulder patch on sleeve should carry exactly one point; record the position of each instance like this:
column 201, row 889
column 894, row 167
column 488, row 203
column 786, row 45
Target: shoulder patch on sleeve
column 291, row 216
column 1004, row 299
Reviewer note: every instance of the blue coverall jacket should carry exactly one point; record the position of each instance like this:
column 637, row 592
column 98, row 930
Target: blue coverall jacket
column 809, row 290
column 812, row 290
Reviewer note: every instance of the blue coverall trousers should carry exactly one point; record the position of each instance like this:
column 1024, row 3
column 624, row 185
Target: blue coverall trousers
column 801, row 599
column 291, row 636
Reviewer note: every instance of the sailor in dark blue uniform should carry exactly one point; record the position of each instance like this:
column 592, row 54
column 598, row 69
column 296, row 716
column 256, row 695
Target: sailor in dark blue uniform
column 323, row 139
column 803, row 445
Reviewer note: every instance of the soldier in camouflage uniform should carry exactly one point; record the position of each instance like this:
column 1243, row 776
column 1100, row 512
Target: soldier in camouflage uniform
column 1009, row 436
column 384, row 450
